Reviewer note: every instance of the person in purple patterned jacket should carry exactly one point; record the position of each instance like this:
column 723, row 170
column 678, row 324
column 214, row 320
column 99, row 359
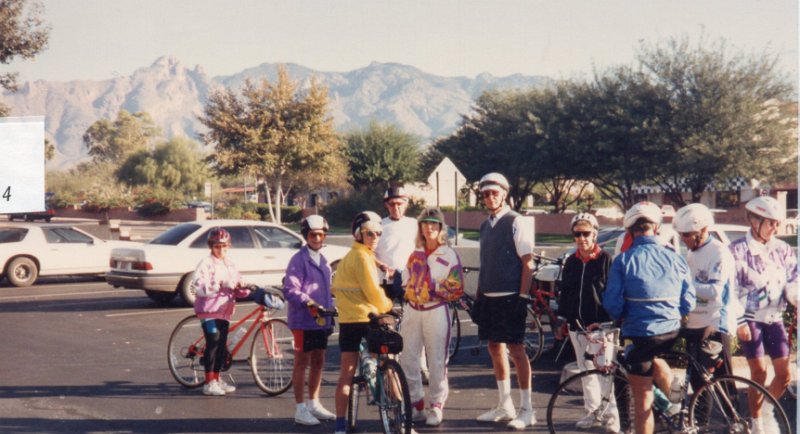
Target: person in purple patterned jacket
column 766, row 279
column 307, row 287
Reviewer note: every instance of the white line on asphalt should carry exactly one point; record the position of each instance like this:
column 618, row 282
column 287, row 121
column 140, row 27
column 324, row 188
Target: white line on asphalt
column 148, row 312
column 34, row 297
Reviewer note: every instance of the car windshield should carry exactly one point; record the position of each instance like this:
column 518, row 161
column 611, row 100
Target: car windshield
column 608, row 234
column 175, row 235
column 12, row 235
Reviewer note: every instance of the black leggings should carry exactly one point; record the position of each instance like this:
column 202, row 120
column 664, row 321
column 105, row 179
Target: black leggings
column 216, row 334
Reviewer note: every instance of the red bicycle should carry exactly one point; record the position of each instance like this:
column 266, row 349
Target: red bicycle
column 539, row 331
column 271, row 357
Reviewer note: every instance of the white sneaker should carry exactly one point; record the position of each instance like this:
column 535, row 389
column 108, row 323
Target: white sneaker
column 611, row 425
column 212, row 388
column 588, row 421
column 304, row 417
column 499, row 413
column 228, row 388
column 418, row 415
column 320, row 412
column 524, row 419
column 434, row 417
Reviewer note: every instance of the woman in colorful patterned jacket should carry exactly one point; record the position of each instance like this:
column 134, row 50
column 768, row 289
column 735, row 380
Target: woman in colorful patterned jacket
column 432, row 278
column 218, row 284
column 766, row 279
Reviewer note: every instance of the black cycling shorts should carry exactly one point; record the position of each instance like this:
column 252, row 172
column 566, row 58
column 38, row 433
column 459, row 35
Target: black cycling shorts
column 309, row 340
column 503, row 319
column 639, row 358
column 351, row 334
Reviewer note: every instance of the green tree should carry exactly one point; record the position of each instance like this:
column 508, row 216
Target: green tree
column 23, row 34
column 176, row 165
column 616, row 130
column 381, row 154
column 497, row 137
column 729, row 115
column 127, row 134
column 271, row 131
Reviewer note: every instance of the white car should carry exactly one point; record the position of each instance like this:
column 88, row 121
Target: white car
column 610, row 239
column 163, row 267
column 29, row 250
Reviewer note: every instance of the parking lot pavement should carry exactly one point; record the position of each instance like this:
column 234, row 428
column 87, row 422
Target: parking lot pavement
column 81, row 356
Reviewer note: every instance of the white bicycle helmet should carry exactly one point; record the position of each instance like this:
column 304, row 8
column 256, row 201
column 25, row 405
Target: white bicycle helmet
column 493, row 181
column 766, row 207
column 647, row 210
column 366, row 220
column 313, row 222
column 585, row 217
column 692, row 217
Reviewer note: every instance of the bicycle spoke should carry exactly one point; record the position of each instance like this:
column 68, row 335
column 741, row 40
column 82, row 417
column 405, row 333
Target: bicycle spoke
column 728, row 404
column 272, row 357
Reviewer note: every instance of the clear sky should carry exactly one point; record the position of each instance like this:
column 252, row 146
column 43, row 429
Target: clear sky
column 98, row 39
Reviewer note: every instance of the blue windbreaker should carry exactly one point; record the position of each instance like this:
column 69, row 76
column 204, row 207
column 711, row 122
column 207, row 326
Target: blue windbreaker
column 649, row 288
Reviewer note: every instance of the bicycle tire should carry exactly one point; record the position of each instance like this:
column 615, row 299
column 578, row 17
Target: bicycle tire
column 394, row 400
column 713, row 409
column 534, row 336
column 566, row 405
column 357, row 390
column 455, row 335
column 272, row 357
column 185, row 351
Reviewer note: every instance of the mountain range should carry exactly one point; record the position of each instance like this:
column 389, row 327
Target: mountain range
column 423, row 104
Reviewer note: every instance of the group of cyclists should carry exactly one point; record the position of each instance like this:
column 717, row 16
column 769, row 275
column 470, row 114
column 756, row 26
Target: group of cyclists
column 651, row 291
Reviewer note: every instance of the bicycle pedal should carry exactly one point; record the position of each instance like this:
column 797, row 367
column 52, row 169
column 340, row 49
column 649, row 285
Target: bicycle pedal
column 359, row 380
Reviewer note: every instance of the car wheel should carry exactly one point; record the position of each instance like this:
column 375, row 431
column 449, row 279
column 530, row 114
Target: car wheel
column 161, row 297
column 22, row 272
column 187, row 290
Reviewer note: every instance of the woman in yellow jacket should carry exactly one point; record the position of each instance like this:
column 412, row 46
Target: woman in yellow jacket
column 358, row 293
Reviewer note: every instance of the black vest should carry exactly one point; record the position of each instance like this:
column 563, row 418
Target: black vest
column 501, row 267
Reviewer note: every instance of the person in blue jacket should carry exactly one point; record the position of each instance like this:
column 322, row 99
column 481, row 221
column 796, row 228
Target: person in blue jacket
column 307, row 287
column 649, row 288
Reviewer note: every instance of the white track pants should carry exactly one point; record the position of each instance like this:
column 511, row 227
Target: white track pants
column 428, row 331
column 592, row 398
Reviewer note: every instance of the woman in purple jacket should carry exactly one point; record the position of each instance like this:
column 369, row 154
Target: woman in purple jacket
column 307, row 287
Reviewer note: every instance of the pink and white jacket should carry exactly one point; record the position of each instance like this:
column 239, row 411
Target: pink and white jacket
column 217, row 284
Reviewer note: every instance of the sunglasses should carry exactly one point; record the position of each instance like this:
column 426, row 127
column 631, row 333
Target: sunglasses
column 398, row 203
column 220, row 246
column 490, row 193
column 582, row 234
column 316, row 235
column 689, row 234
column 373, row 234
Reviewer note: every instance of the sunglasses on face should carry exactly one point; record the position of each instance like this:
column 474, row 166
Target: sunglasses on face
column 372, row 234
column 395, row 203
column 582, row 234
column 316, row 235
column 220, row 246
column 689, row 234
column 490, row 193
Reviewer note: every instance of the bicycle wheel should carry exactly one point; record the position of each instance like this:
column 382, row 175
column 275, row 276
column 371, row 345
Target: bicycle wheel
column 357, row 390
column 609, row 408
column 534, row 336
column 721, row 406
column 184, row 352
column 455, row 334
column 272, row 357
column 394, row 400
